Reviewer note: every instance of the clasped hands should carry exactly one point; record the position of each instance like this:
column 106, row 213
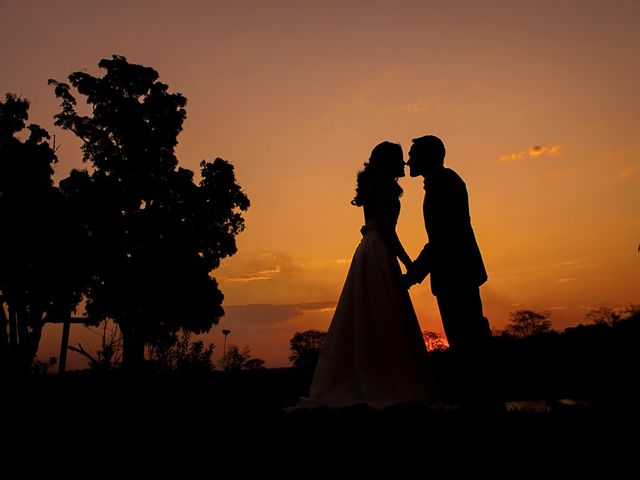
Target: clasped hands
column 410, row 278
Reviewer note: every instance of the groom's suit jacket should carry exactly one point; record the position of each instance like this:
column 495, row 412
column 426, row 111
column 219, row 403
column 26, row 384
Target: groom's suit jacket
column 452, row 255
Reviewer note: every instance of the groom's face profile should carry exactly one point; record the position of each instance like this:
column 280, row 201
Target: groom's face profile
column 421, row 161
column 417, row 161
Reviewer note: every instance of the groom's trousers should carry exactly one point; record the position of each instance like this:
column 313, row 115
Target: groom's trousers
column 469, row 336
column 464, row 323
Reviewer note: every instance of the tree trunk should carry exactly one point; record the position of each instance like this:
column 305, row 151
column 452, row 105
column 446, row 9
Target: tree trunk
column 22, row 328
column 64, row 346
column 23, row 357
column 13, row 331
column 13, row 339
column 4, row 338
column 31, row 346
column 132, row 349
column 23, row 342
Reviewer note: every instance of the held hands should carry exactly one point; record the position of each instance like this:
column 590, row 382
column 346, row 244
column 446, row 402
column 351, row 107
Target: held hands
column 409, row 278
column 407, row 281
column 419, row 268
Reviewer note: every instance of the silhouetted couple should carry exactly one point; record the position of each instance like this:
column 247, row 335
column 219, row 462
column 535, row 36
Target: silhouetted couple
column 374, row 351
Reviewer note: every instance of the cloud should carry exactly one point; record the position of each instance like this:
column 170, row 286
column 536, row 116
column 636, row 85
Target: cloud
column 254, row 276
column 533, row 152
column 566, row 279
column 267, row 328
column 326, row 306
column 397, row 93
column 270, row 316
column 416, row 106
column 370, row 95
column 273, row 277
column 563, row 271
column 627, row 171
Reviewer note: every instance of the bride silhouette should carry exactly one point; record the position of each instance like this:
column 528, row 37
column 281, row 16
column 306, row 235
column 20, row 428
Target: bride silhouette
column 374, row 352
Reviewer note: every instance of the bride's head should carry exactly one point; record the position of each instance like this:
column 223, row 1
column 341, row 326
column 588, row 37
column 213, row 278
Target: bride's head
column 386, row 160
column 385, row 165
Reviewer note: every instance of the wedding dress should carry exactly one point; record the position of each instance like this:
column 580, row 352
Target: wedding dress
column 374, row 351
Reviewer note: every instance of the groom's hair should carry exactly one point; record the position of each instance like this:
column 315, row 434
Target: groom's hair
column 431, row 144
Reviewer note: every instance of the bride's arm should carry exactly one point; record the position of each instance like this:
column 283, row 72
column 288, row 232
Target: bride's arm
column 395, row 244
column 388, row 219
column 391, row 239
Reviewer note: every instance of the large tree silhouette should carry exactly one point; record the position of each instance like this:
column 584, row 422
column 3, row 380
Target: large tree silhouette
column 42, row 275
column 156, row 234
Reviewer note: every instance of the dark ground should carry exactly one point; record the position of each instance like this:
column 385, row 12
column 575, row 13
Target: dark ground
column 244, row 412
column 185, row 425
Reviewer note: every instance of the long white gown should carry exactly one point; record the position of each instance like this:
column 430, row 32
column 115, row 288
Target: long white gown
column 374, row 351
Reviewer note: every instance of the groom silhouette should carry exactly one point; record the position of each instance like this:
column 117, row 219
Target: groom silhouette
column 453, row 259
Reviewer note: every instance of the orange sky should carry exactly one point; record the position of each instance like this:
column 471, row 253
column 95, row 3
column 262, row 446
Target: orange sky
column 538, row 103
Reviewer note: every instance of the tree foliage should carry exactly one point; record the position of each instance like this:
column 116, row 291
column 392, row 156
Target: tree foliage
column 109, row 355
column 434, row 341
column 42, row 273
column 603, row 315
column 236, row 359
column 306, row 348
column 525, row 323
column 609, row 316
column 156, row 234
column 185, row 356
column 633, row 310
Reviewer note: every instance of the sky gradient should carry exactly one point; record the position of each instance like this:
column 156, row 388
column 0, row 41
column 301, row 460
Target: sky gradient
column 538, row 103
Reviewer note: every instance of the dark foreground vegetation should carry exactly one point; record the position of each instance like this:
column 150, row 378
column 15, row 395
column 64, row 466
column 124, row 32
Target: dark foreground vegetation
column 85, row 414
column 595, row 366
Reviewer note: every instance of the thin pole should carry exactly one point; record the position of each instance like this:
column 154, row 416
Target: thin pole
column 224, row 352
column 66, row 327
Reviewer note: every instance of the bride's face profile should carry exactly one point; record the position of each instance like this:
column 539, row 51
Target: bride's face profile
column 394, row 165
column 398, row 164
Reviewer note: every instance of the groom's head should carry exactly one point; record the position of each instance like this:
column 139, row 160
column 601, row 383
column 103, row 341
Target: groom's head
column 426, row 154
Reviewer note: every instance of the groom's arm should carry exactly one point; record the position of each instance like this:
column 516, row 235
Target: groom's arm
column 421, row 267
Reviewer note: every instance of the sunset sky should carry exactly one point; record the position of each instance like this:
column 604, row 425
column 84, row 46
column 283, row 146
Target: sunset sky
column 538, row 103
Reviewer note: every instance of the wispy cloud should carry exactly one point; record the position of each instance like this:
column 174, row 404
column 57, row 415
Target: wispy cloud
column 265, row 316
column 397, row 93
column 275, row 277
column 268, row 327
column 255, row 276
column 564, row 270
column 273, row 265
column 566, row 279
column 416, row 106
column 533, row 152
column 627, row 171
column 326, row 306
column 372, row 95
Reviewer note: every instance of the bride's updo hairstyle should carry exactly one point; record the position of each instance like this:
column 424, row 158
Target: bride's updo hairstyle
column 377, row 173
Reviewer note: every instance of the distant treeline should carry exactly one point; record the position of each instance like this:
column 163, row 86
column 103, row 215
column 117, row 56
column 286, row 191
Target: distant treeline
column 598, row 362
